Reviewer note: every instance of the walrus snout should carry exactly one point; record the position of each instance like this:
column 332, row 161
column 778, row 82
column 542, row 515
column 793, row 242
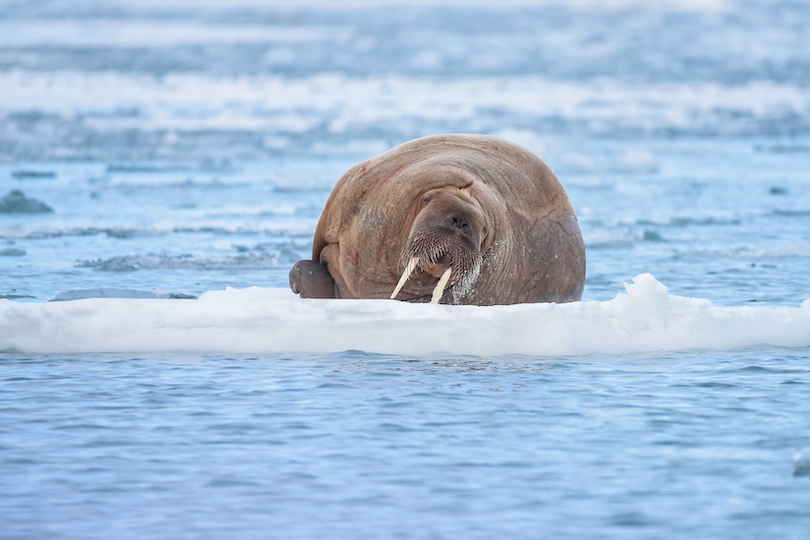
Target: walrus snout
column 459, row 221
column 447, row 215
column 444, row 254
column 441, row 265
column 440, row 248
column 445, row 242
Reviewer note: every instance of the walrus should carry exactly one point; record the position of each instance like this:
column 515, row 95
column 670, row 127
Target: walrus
column 456, row 219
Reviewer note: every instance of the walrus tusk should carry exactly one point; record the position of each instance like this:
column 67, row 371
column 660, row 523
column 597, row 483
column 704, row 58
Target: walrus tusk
column 405, row 275
column 437, row 292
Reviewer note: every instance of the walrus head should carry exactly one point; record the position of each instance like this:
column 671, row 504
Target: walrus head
column 445, row 241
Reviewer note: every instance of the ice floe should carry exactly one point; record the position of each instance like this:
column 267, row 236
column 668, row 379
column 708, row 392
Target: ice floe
column 644, row 319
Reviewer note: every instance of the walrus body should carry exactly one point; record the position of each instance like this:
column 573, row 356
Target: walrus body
column 482, row 214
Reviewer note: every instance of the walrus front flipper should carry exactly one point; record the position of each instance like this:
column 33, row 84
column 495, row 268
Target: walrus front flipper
column 311, row 280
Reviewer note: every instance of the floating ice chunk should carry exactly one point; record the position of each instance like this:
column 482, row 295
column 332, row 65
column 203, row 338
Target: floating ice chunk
column 647, row 305
column 117, row 293
column 28, row 174
column 801, row 462
column 257, row 320
column 12, row 252
column 17, row 203
column 152, row 261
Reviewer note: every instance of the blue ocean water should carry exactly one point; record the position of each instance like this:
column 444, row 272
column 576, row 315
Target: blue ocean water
column 363, row 446
column 187, row 148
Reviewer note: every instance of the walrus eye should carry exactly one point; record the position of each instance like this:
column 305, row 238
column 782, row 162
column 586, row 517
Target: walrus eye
column 427, row 200
column 484, row 229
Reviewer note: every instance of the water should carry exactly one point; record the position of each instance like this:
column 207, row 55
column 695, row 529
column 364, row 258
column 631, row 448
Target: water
column 189, row 148
column 368, row 446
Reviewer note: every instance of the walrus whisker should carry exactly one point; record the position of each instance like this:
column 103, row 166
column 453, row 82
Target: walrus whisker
column 437, row 292
column 405, row 275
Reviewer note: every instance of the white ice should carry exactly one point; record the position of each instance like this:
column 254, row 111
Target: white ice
column 645, row 319
column 174, row 101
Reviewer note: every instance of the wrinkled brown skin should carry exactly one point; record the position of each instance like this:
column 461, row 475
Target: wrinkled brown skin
column 532, row 247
